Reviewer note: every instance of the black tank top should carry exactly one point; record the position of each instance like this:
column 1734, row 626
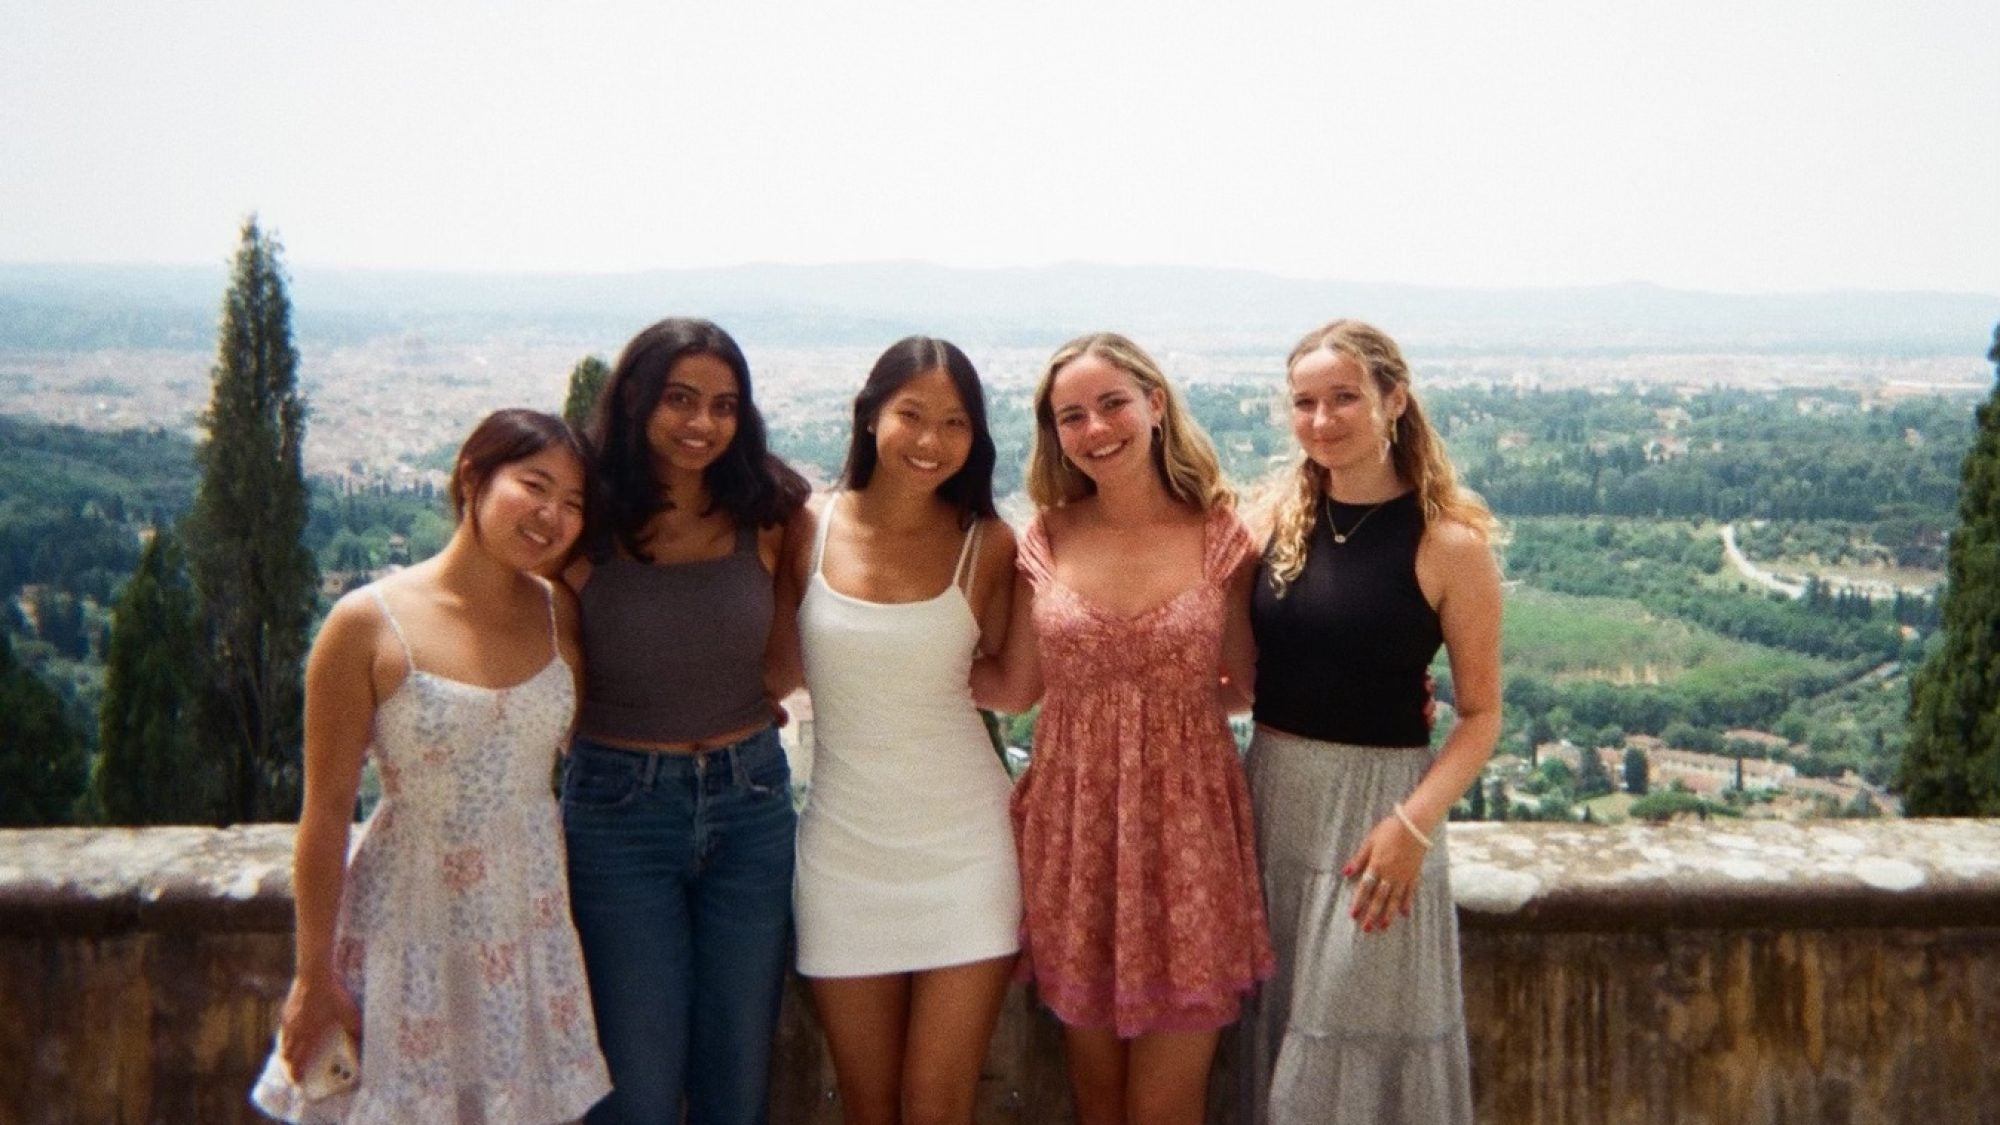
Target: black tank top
column 674, row 652
column 1342, row 656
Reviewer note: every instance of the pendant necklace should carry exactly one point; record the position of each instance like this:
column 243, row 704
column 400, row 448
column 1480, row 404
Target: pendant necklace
column 1340, row 536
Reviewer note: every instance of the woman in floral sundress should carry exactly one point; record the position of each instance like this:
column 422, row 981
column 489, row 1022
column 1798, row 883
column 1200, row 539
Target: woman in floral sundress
column 1144, row 926
column 444, row 946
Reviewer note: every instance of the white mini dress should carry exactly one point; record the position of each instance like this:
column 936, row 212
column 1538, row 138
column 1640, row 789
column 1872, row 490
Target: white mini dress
column 905, row 853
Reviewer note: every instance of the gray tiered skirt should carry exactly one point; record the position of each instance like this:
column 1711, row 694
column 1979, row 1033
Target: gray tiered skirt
column 1354, row 1028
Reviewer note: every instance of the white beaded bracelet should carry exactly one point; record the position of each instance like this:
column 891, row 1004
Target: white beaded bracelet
column 1412, row 826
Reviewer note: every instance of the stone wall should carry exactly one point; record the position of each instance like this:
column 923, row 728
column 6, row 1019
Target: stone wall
column 1833, row 972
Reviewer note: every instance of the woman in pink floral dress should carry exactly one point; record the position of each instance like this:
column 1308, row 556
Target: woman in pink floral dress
column 1144, row 926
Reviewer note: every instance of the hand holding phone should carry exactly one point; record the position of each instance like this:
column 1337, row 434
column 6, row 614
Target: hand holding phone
column 334, row 1069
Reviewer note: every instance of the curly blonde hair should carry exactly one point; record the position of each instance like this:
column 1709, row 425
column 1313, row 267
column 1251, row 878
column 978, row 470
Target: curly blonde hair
column 1415, row 450
column 1181, row 451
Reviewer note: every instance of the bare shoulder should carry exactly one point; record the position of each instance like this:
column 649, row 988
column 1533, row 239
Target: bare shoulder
column 352, row 627
column 802, row 521
column 1455, row 563
column 1456, row 542
column 996, row 541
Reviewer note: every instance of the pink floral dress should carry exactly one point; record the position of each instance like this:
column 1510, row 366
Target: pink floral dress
column 454, row 933
column 1138, row 861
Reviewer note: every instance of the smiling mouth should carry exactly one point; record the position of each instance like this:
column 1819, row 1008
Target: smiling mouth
column 1106, row 451
column 695, row 445
column 537, row 538
column 921, row 465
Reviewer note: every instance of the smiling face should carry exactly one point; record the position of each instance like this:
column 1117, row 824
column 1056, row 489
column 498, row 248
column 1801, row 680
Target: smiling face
column 529, row 512
column 696, row 417
column 924, row 430
column 1104, row 417
column 1341, row 418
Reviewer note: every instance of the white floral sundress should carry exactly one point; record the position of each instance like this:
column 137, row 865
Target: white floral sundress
column 454, row 932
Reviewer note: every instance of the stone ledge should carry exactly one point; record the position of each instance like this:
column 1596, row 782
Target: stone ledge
column 1832, row 874
column 1836, row 874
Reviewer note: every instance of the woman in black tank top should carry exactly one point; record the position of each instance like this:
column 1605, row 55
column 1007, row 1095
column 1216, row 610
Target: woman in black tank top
column 1376, row 558
column 676, row 799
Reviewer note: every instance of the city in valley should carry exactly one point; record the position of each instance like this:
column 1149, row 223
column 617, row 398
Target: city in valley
column 386, row 410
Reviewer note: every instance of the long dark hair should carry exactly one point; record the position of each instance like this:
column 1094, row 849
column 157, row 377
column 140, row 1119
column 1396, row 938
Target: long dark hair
column 746, row 481
column 971, row 487
column 506, row 436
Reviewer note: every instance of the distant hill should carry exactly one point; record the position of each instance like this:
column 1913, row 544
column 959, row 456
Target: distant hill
column 71, row 307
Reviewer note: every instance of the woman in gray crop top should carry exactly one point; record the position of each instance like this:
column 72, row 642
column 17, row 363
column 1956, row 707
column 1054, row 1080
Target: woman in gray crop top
column 676, row 800
column 1376, row 557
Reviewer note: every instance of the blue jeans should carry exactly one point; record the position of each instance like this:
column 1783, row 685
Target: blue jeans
column 680, row 879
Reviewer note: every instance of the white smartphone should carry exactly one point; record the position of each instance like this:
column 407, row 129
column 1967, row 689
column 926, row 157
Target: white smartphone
column 334, row 1068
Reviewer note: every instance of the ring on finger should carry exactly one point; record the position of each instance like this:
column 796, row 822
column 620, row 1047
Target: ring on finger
column 1369, row 878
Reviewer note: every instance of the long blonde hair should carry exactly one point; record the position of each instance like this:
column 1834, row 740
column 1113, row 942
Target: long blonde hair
column 1415, row 450
column 1182, row 453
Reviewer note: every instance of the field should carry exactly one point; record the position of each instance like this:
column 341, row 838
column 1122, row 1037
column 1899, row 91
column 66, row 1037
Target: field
column 1564, row 637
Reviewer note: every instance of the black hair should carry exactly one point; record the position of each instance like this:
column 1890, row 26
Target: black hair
column 506, row 436
column 754, row 487
column 971, row 487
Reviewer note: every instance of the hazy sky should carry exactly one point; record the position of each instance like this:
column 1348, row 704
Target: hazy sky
column 1719, row 144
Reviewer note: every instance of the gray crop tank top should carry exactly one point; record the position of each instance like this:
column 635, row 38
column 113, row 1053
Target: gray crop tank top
column 674, row 652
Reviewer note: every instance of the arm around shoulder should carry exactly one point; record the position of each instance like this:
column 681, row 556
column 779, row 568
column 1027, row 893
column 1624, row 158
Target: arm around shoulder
column 1008, row 674
column 1239, row 645
column 784, row 665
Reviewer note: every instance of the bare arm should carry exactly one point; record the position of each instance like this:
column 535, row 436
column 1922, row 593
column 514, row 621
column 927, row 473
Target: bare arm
column 340, row 709
column 1011, row 680
column 1458, row 564
column 784, row 665
column 1239, row 646
column 992, row 586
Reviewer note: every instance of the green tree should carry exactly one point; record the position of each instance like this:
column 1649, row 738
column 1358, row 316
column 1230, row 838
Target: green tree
column 1592, row 779
column 586, row 379
column 1638, row 772
column 254, row 580
column 43, row 768
column 148, row 770
column 1951, row 766
column 1497, row 800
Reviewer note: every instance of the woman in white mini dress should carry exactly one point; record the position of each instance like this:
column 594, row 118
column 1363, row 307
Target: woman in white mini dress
column 907, row 899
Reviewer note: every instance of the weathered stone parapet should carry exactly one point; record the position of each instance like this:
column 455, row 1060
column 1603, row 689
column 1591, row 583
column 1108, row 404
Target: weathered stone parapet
column 1728, row 875
column 1840, row 971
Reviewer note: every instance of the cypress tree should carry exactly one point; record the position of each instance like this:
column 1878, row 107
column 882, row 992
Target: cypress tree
column 255, row 584
column 44, row 771
column 1951, row 766
column 149, row 770
column 1638, row 772
column 1592, row 779
column 586, row 379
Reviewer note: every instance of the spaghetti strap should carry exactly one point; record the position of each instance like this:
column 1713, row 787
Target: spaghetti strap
column 555, row 641
column 819, row 533
column 1225, row 543
column 961, row 572
column 1034, row 558
column 409, row 658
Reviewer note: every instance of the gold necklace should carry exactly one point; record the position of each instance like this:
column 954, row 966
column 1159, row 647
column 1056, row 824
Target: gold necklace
column 1340, row 536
